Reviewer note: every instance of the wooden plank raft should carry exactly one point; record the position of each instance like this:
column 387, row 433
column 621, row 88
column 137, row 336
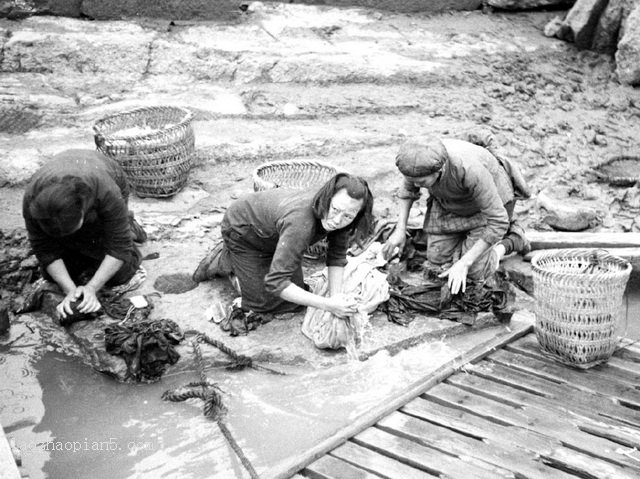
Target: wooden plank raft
column 512, row 413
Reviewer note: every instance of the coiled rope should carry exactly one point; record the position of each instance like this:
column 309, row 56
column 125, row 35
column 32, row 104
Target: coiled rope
column 214, row 407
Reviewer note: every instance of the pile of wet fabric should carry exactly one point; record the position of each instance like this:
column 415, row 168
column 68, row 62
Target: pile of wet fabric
column 238, row 322
column 147, row 347
column 362, row 280
column 18, row 265
column 433, row 297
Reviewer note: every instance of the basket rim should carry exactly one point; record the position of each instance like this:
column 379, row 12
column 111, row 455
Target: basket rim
column 297, row 162
column 260, row 183
column 573, row 253
column 188, row 116
column 596, row 169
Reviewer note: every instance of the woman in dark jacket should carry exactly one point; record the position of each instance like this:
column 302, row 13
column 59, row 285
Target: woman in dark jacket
column 76, row 215
column 265, row 235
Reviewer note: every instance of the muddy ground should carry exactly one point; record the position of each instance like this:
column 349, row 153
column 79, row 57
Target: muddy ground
column 345, row 86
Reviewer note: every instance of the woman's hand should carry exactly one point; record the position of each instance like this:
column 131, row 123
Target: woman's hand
column 341, row 305
column 90, row 303
column 394, row 244
column 456, row 276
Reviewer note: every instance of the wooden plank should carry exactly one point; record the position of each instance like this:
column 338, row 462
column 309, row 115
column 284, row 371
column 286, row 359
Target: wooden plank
column 8, row 467
column 628, row 351
column 584, row 420
column 523, row 462
column 560, row 393
column 630, row 375
column 560, row 240
column 579, row 379
column 503, row 436
column 329, row 467
column 475, row 426
column 371, row 461
column 586, row 466
column 532, row 419
column 521, row 324
column 425, row 458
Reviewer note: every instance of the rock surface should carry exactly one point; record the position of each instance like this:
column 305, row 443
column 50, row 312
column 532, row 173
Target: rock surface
column 528, row 4
column 610, row 27
column 628, row 54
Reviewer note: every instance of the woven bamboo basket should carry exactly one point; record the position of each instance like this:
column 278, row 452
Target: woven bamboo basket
column 578, row 302
column 299, row 174
column 154, row 146
column 619, row 170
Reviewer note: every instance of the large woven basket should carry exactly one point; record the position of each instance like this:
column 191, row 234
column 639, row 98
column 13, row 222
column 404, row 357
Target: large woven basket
column 578, row 301
column 292, row 174
column 154, row 146
column 299, row 174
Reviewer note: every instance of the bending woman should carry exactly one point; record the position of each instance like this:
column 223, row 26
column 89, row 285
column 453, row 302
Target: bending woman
column 265, row 235
column 76, row 215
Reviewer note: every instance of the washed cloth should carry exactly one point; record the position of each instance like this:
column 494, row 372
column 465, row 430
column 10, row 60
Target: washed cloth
column 266, row 234
column 362, row 280
column 239, row 322
column 107, row 223
column 433, row 297
column 146, row 346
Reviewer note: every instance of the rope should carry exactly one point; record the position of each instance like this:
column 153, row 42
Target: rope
column 240, row 361
column 236, row 448
column 199, row 362
column 214, row 407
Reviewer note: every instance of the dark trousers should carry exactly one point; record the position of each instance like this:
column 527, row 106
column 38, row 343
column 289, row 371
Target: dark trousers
column 251, row 265
column 82, row 267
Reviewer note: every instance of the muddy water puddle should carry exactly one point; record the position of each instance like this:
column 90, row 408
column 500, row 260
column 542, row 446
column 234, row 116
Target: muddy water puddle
column 70, row 421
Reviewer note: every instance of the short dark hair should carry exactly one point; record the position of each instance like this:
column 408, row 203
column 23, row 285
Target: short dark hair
column 60, row 205
column 358, row 189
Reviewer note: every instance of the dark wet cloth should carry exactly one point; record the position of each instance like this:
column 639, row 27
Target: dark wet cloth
column 147, row 347
column 239, row 322
column 434, row 298
column 107, row 224
column 266, row 234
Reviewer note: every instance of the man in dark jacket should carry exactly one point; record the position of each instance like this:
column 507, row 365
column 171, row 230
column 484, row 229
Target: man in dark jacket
column 469, row 222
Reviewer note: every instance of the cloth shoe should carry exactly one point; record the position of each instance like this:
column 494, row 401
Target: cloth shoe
column 215, row 263
column 134, row 283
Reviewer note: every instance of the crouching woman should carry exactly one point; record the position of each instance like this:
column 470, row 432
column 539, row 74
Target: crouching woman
column 76, row 215
column 266, row 233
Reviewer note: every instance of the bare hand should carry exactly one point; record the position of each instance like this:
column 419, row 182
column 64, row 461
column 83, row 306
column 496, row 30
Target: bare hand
column 342, row 305
column 456, row 277
column 394, row 245
column 64, row 307
column 90, row 303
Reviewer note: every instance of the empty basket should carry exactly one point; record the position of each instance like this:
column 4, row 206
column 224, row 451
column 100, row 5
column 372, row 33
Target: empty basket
column 154, row 146
column 301, row 174
column 578, row 301
column 292, row 174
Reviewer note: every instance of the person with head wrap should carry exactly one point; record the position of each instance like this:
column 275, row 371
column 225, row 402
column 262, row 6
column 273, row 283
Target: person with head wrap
column 469, row 222
column 266, row 233
column 76, row 215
